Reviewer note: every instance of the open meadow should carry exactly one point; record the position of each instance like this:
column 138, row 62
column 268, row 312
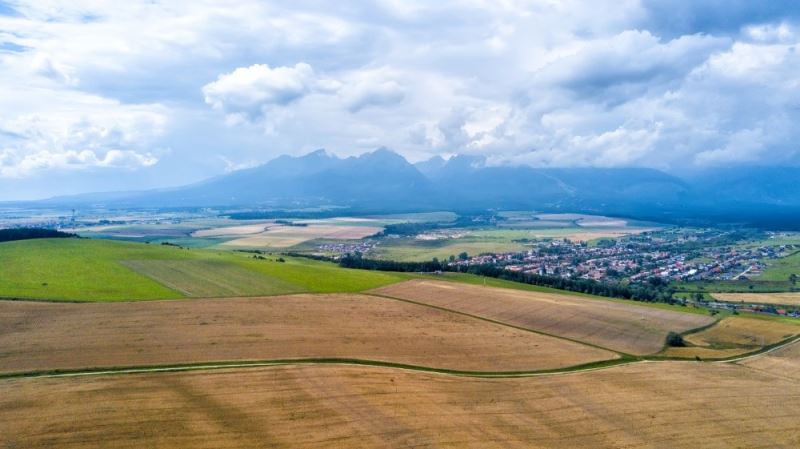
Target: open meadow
column 107, row 270
column 626, row 328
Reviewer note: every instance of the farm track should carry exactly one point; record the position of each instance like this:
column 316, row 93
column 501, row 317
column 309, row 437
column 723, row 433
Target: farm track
column 296, row 327
column 597, row 366
column 623, row 360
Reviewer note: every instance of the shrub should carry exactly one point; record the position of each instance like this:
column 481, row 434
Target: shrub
column 675, row 340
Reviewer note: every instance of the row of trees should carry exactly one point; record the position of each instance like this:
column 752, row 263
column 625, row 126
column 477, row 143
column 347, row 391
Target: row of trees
column 653, row 291
column 7, row 235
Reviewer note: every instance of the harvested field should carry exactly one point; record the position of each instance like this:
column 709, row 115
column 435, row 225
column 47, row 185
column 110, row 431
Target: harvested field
column 207, row 278
column 652, row 405
column 733, row 336
column 254, row 228
column 44, row 336
column 690, row 352
column 287, row 236
column 743, row 332
column 784, row 362
column 788, row 299
column 622, row 327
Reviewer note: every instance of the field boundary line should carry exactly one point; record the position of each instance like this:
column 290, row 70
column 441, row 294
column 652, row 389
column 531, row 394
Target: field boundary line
column 592, row 366
column 732, row 359
column 576, row 369
column 501, row 323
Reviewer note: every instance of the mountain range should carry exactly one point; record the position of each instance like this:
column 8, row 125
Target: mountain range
column 383, row 181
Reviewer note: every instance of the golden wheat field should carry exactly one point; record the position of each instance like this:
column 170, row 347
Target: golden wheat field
column 649, row 405
column 622, row 327
column 44, row 336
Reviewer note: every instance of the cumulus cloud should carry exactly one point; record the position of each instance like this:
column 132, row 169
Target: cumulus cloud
column 14, row 164
column 53, row 129
column 375, row 94
column 604, row 82
column 250, row 90
column 627, row 64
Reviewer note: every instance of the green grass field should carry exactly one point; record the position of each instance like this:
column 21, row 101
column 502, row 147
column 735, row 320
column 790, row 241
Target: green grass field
column 95, row 270
column 781, row 269
column 204, row 278
column 409, row 249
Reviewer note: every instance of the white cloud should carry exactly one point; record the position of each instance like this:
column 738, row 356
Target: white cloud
column 13, row 164
column 49, row 128
column 89, row 83
column 250, row 90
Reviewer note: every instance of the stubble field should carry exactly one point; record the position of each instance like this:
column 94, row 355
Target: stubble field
column 733, row 336
column 788, row 299
column 47, row 336
column 288, row 236
column 651, row 405
column 622, row 327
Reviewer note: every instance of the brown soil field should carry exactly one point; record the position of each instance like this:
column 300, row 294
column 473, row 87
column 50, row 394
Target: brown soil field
column 788, row 299
column 622, row 327
column 287, row 236
column 44, row 336
column 651, row 405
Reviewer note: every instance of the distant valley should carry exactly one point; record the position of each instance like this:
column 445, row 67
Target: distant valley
column 382, row 181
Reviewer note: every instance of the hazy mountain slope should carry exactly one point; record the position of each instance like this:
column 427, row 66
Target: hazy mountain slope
column 384, row 181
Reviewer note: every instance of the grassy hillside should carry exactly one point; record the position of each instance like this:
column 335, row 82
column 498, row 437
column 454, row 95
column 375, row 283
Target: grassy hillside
column 105, row 270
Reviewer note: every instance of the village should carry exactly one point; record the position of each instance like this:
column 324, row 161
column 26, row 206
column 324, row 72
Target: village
column 670, row 255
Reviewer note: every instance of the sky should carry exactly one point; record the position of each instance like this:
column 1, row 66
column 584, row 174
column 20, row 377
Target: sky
column 101, row 96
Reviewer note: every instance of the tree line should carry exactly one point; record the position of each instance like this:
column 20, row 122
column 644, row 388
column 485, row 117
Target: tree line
column 11, row 234
column 654, row 290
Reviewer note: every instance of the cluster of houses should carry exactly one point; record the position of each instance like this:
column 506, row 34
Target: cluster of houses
column 338, row 249
column 671, row 256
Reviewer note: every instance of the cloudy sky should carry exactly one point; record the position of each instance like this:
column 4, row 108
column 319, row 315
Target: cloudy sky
column 112, row 95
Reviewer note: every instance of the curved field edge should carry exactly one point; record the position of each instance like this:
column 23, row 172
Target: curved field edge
column 789, row 328
column 728, row 359
column 206, row 366
column 203, row 366
column 283, row 327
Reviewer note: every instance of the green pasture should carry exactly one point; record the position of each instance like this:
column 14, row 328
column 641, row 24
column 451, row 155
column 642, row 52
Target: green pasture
column 109, row 270
column 409, row 249
column 782, row 269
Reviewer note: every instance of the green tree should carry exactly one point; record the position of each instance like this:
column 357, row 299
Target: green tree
column 675, row 340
